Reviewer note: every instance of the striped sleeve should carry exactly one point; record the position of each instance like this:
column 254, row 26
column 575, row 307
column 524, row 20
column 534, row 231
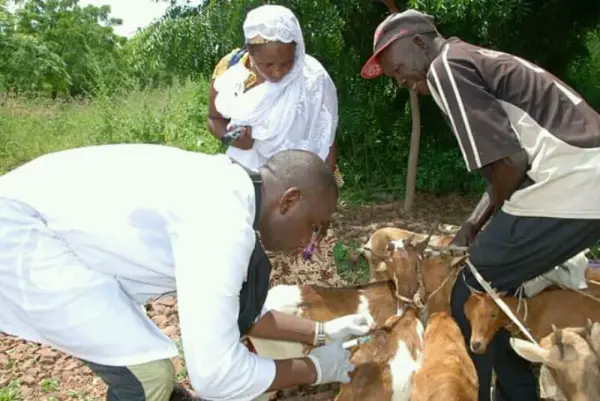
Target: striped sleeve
column 480, row 124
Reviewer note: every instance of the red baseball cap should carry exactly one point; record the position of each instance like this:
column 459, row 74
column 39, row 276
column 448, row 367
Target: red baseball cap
column 398, row 25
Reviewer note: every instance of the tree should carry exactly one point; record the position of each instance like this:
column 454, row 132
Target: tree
column 77, row 46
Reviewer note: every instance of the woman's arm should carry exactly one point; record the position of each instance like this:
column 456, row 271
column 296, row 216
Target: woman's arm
column 217, row 124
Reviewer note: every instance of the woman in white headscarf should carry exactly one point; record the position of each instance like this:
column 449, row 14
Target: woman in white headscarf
column 281, row 96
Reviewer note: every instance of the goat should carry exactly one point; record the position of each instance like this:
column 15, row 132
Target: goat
column 561, row 307
column 447, row 372
column 571, row 362
column 376, row 251
column 385, row 366
column 375, row 300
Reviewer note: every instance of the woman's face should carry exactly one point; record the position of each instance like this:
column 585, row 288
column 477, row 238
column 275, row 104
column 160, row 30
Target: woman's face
column 274, row 60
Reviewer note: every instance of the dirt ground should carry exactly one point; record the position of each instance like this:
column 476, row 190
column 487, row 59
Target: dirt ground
column 29, row 372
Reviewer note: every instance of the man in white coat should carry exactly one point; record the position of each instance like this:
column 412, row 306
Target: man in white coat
column 88, row 235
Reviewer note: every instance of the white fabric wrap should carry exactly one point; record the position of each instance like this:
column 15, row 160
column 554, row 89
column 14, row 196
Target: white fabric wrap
column 298, row 112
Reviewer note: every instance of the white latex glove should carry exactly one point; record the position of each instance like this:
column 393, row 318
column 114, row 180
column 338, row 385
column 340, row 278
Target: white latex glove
column 346, row 326
column 332, row 363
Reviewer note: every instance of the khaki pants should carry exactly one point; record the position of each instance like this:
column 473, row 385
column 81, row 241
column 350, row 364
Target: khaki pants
column 152, row 381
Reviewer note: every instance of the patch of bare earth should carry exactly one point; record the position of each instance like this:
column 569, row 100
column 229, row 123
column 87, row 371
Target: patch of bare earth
column 44, row 374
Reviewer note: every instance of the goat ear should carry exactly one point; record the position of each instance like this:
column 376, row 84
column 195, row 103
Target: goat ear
column 587, row 329
column 421, row 246
column 530, row 351
column 548, row 387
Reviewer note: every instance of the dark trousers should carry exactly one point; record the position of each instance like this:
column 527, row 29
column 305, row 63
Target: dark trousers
column 508, row 252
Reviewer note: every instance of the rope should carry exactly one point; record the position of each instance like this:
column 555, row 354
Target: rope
column 500, row 302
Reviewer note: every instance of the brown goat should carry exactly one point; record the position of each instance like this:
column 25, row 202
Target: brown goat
column 448, row 372
column 376, row 250
column 560, row 307
column 571, row 357
column 385, row 366
column 397, row 354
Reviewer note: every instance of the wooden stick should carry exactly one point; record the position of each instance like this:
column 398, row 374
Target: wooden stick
column 413, row 156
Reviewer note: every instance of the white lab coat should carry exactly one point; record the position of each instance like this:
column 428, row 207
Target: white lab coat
column 90, row 234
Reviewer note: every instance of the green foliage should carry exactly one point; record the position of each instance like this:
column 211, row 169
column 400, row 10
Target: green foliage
column 11, row 391
column 174, row 116
column 57, row 48
column 352, row 273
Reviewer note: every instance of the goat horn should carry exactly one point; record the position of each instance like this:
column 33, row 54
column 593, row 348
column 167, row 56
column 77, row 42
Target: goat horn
column 558, row 341
column 589, row 327
column 391, row 5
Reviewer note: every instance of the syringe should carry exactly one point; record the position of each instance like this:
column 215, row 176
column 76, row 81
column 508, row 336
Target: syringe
column 356, row 341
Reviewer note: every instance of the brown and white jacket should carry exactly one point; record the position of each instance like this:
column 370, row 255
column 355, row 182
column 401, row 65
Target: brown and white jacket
column 498, row 104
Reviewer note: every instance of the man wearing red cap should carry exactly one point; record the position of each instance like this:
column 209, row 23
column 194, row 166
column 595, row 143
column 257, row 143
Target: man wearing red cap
column 537, row 143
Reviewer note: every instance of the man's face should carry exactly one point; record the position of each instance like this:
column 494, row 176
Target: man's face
column 407, row 63
column 289, row 225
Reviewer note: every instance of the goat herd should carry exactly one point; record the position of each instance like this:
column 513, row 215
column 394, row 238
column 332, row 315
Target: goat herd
column 417, row 351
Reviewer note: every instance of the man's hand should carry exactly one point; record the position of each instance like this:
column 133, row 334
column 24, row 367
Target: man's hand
column 332, row 363
column 345, row 326
column 465, row 235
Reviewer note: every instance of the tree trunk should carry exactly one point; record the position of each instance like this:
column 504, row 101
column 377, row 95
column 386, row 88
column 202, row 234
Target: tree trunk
column 413, row 156
column 415, row 139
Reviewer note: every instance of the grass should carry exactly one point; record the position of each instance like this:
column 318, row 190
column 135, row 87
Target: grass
column 11, row 392
column 174, row 116
column 49, row 385
column 351, row 272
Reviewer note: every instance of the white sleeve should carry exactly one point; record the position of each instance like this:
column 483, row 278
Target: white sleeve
column 330, row 106
column 210, row 267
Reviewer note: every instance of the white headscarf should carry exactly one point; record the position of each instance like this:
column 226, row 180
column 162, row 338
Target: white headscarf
column 299, row 111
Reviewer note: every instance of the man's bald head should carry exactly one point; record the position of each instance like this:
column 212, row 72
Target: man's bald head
column 300, row 194
column 304, row 170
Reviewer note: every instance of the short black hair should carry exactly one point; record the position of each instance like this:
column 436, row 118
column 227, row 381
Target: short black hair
column 304, row 170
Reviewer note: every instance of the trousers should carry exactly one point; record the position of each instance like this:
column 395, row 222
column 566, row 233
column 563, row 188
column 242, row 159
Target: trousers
column 509, row 251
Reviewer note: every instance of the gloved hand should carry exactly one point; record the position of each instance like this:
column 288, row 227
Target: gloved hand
column 346, row 326
column 332, row 363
